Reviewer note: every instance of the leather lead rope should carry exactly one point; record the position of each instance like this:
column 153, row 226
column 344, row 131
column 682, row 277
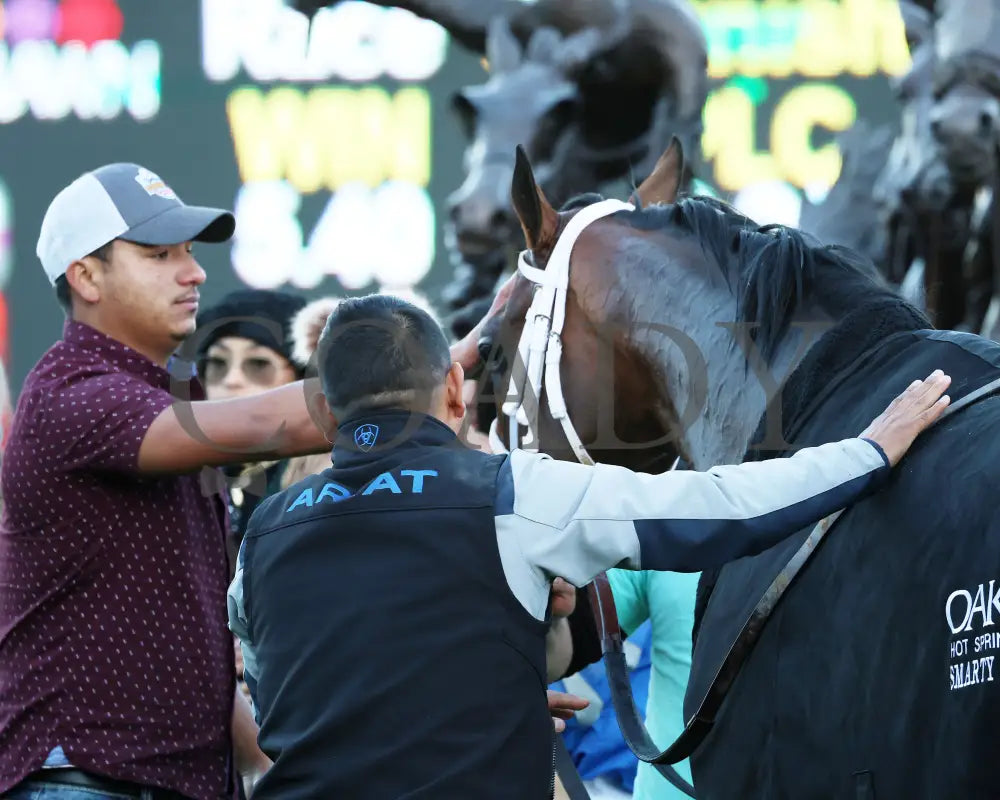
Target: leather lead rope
column 602, row 604
column 568, row 775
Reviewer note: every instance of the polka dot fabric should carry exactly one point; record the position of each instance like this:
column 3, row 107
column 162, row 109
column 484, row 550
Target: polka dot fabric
column 113, row 637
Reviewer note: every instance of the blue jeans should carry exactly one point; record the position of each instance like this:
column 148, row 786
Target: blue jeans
column 41, row 790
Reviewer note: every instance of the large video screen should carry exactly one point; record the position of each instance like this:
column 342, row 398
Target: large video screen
column 333, row 140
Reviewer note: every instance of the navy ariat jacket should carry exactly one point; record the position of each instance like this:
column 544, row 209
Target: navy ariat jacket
column 393, row 609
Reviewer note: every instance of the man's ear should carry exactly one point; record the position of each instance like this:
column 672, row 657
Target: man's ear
column 84, row 278
column 454, row 394
column 319, row 410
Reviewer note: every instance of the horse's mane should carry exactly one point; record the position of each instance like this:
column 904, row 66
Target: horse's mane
column 771, row 268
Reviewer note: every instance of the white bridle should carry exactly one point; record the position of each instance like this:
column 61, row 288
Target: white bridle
column 540, row 347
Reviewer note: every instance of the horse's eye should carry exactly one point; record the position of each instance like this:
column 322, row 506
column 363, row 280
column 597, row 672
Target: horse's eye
column 552, row 126
column 485, row 351
column 492, row 357
column 466, row 112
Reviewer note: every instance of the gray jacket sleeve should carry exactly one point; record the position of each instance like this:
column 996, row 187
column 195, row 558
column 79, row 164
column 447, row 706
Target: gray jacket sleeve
column 556, row 518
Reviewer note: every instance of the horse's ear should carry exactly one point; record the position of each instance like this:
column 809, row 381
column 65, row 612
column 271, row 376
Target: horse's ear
column 664, row 181
column 539, row 219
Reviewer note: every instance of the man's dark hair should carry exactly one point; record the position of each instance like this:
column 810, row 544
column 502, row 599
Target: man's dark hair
column 63, row 294
column 379, row 351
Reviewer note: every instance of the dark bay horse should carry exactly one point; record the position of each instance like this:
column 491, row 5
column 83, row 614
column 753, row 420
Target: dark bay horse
column 691, row 330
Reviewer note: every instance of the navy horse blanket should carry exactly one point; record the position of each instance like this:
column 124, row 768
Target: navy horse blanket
column 878, row 674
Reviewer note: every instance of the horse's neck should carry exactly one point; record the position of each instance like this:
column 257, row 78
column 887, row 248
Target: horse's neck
column 727, row 409
column 815, row 349
column 740, row 392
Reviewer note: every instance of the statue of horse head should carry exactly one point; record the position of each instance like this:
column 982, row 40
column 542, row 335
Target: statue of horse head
column 925, row 191
column 965, row 116
column 913, row 181
column 915, row 172
column 928, row 199
column 592, row 97
column 531, row 96
column 889, row 177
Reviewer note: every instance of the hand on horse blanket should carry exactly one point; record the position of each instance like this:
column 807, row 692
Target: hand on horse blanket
column 908, row 415
column 894, row 430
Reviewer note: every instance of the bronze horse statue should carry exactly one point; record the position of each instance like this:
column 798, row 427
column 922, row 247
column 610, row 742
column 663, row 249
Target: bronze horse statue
column 554, row 89
column 937, row 196
column 689, row 330
column 594, row 89
column 873, row 206
column 927, row 218
column 936, row 190
column 965, row 121
column 890, row 198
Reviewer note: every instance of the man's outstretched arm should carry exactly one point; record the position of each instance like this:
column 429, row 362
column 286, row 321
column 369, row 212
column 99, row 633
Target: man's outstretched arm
column 278, row 423
column 291, row 420
column 575, row 521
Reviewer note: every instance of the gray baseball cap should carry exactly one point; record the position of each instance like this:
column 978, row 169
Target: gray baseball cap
column 121, row 201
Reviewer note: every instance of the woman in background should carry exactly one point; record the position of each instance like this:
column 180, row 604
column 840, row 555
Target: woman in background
column 244, row 346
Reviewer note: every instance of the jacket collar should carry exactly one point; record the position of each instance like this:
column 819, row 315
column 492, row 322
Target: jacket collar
column 375, row 434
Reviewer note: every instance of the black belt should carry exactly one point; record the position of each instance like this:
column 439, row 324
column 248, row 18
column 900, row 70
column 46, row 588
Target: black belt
column 70, row 776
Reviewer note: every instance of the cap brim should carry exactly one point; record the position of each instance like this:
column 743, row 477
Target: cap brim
column 184, row 224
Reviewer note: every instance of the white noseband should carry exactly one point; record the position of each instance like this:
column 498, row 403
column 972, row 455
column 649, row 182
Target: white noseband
column 539, row 351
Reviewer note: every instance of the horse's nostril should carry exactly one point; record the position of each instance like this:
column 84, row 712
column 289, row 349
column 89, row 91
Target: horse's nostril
column 986, row 122
column 499, row 220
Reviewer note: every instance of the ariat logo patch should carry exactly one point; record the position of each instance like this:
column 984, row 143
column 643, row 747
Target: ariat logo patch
column 365, row 437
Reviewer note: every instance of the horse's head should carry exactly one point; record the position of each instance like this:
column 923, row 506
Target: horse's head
column 608, row 387
column 965, row 115
column 582, row 93
column 683, row 320
column 915, row 177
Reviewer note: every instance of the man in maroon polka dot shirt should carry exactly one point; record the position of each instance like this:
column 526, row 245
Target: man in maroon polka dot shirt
column 116, row 665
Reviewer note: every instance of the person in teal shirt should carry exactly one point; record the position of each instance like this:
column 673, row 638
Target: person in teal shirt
column 667, row 600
